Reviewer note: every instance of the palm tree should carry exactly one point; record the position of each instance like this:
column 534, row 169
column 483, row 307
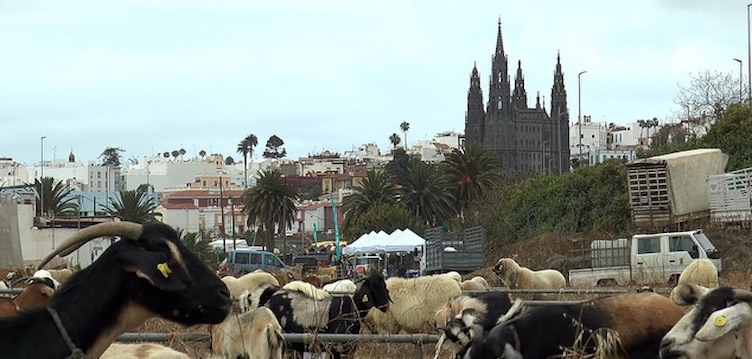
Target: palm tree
column 133, row 206
column 427, row 193
column 57, row 199
column 175, row 154
column 166, row 155
column 395, row 140
column 405, row 126
column 269, row 203
column 373, row 190
column 182, row 153
column 471, row 171
column 245, row 147
column 202, row 153
column 195, row 244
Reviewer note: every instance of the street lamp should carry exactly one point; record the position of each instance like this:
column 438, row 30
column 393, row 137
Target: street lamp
column 41, row 179
column 741, row 76
column 579, row 113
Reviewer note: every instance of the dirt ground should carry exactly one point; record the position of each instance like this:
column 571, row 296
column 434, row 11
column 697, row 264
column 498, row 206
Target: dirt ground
column 542, row 252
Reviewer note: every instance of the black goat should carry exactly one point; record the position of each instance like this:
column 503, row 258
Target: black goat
column 298, row 312
column 148, row 273
column 639, row 320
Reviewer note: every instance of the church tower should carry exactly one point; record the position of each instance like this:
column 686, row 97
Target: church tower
column 560, row 118
column 475, row 115
column 499, row 100
column 519, row 95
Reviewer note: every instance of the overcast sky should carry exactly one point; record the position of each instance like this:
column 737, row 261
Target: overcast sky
column 152, row 76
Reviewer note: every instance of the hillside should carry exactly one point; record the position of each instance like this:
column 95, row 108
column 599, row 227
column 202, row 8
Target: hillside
column 548, row 251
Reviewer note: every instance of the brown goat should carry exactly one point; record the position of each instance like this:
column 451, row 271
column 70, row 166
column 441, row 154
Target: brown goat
column 316, row 281
column 35, row 295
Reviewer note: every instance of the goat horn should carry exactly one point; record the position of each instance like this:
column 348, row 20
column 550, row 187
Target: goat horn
column 743, row 295
column 128, row 230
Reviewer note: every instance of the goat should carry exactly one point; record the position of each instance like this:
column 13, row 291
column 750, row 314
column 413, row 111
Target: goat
column 627, row 325
column 36, row 294
column 717, row 326
column 298, row 312
column 147, row 273
column 700, row 271
column 141, row 351
column 255, row 334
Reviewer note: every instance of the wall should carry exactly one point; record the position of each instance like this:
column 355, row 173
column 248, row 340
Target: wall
column 10, row 242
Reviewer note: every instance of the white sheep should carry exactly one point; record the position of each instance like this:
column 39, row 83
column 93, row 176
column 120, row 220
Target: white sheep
column 480, row 280
column 701, row 272
column 254, row 335
column 454, row 275
column 516, row 277
column 341, row 286
column 471, row 285
column 249, row 281
column 141, row 351
column 414, row 303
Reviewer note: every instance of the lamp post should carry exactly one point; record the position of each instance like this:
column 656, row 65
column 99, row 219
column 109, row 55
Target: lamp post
column 741, row 76
column 41, row 179
column 579, row 115
column 749, row 58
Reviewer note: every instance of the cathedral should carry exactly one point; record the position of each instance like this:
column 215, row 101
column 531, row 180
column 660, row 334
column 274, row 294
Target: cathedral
column 525, row 139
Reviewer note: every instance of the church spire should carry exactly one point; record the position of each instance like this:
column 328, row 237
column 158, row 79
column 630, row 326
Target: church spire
column 499, row 41
column 475, row 115
column 519, row 96
column 499, row 98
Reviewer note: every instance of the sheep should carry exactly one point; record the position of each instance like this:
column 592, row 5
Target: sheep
column 514, row 276
column 717, row 326
column 471, row 285
column 308, row 289
column 701, row 272
column 480, row 280
column 416, row 301
column 298, row 312
column 248, row 281
column 341, row 286
column 255, row 334
column 627, row 325
column 148, row 273
column 141, row 351
column 454, row 275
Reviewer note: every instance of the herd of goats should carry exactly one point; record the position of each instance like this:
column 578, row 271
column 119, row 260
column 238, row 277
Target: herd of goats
column 151, row 274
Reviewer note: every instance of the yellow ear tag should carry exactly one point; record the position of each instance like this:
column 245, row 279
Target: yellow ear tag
column 720, row 321
column 164, row 269
column 365, row 298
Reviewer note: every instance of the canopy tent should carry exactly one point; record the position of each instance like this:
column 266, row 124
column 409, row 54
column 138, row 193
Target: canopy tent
column 397, row 241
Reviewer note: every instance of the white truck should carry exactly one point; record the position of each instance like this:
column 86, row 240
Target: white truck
column 643, row 259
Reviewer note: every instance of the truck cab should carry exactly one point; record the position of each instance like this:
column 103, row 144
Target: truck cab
column 644, row 259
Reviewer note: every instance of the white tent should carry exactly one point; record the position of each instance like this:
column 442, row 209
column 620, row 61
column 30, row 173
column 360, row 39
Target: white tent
column 363, row 243
column 399, row 241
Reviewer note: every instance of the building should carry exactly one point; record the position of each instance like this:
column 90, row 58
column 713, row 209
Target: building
column 525, row 139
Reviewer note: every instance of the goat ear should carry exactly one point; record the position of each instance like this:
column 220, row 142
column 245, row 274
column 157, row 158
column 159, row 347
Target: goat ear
column 724, row 321
column 154, row 267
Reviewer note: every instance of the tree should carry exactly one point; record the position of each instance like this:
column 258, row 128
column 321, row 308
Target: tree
column 732, row 133
column 200, row 248
column 182, row 152
column 175, row 154
column 708, row 94
column 396, row 169
column 133, row 206
column 405, row 126
column 202, row 153
column 111, row 156
column 373, row 190
column 245, row 147
column 229, row 161
column 270, row 205
column 471, row 171
column 166, row 155
column 395, row 140
column 274, row 148
column 426, row 193
column 57, row 199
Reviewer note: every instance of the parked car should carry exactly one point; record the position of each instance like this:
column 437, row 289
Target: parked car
column 310, row 263
column 244, row 260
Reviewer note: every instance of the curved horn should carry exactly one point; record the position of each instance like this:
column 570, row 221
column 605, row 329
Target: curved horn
column 743, row 295
column 128, row 230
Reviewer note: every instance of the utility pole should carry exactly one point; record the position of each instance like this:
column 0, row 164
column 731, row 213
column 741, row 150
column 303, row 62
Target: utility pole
column 741, row 77
column 222, row 215
column 41, row 180
column 579, row 116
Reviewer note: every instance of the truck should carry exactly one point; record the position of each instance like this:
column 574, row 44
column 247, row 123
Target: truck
column 730, row 197
column 667, row 192
column 460, row 251
column 643, row 259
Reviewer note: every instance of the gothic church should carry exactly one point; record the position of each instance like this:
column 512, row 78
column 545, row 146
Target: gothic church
column 525, row 139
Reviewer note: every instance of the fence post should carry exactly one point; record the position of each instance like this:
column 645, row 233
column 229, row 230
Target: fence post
column 418, row 350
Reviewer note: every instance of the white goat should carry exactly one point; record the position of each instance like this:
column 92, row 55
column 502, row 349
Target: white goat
column 254, row 335
column 141, row 351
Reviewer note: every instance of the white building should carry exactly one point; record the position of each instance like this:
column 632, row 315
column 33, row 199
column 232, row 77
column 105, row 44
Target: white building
column 160, row 173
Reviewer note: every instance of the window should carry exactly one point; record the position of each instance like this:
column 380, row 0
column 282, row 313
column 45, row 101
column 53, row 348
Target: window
column 255, row 258
column 272, row 261
column 649, row 245
column 241, row 258
column 682, row 243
